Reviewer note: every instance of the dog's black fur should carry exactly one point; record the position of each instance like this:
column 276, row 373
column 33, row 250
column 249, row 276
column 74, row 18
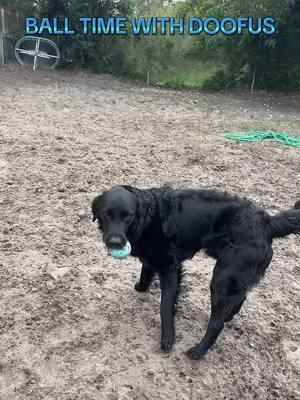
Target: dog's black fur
column 167, row 226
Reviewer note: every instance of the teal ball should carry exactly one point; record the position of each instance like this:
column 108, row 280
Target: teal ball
column 120, row 254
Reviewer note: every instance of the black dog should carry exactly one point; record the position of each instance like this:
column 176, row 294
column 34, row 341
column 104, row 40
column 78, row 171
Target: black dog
column 167, row 226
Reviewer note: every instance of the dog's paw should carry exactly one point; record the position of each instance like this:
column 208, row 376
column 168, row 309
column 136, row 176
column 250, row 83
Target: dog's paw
column 194, row 353
column 167, row 343
column 140, row 288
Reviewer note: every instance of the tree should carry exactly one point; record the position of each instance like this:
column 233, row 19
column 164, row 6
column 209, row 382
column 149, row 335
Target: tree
column 272, row 61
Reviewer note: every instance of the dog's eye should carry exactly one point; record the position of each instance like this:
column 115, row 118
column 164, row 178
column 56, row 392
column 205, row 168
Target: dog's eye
column 106, row 213
column 125, row 215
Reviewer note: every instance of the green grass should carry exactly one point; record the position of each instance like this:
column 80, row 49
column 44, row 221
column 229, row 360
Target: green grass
column 187, row 75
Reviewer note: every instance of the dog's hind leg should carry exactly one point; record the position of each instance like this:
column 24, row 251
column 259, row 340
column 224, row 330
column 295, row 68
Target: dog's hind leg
column 235, row 310
column 146, row 278
column 223, row 307
column 234, row 273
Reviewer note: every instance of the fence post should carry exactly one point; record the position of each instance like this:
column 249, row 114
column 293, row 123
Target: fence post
column 3, row 21
column 2, row 37
column 1, row 49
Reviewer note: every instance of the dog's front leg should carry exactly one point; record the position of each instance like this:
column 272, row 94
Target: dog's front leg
column 169, row 290
column 146, row 278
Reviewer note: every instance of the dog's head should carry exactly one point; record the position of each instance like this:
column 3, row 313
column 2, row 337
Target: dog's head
column 117, row 212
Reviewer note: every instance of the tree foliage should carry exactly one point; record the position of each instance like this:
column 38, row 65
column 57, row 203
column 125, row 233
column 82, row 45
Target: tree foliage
column 274, row 61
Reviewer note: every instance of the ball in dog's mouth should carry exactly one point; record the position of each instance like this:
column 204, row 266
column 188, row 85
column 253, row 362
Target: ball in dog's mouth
column 120, row 254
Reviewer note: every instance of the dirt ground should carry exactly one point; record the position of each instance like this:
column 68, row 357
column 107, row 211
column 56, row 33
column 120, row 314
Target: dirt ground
column 71, row 325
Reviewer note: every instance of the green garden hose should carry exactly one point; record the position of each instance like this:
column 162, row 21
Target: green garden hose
column 254, row 137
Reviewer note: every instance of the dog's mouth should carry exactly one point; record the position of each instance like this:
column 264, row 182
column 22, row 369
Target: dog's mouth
column 114, row 242
column 115, row 247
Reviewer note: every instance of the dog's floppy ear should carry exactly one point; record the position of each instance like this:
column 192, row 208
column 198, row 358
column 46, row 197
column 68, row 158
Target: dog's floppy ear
column 144, row 212
column 95, row 207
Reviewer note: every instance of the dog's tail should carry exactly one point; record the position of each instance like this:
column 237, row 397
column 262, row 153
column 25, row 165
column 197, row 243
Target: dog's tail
column 287, row 222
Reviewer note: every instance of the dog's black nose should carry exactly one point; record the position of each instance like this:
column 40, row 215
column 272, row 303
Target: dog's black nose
column 116, row 242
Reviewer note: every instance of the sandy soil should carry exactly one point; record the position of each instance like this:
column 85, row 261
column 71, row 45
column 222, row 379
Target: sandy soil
column 71, row 325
